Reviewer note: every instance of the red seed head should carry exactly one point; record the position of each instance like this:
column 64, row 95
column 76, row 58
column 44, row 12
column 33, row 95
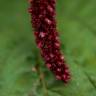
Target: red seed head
column 44, row 24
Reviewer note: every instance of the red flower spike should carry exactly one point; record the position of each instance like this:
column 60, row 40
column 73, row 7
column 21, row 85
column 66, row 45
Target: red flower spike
column 44, row 24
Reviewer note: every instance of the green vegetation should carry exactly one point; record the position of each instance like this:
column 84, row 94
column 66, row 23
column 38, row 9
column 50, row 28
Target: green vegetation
column 18, row 53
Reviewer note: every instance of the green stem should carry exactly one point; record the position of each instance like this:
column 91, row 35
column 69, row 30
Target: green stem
column 41, row 75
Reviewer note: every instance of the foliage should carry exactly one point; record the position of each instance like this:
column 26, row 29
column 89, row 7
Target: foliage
column 19, row 55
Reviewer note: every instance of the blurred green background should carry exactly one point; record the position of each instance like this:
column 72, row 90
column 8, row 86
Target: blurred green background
column 19, row 55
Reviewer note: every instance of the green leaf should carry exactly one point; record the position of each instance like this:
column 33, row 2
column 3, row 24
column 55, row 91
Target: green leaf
column 19, row 55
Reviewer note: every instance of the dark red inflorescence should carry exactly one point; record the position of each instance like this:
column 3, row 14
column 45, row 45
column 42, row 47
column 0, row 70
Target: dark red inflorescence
column 44, row 24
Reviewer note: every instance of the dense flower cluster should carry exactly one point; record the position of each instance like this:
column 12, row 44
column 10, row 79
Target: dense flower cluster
column 44, row 24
